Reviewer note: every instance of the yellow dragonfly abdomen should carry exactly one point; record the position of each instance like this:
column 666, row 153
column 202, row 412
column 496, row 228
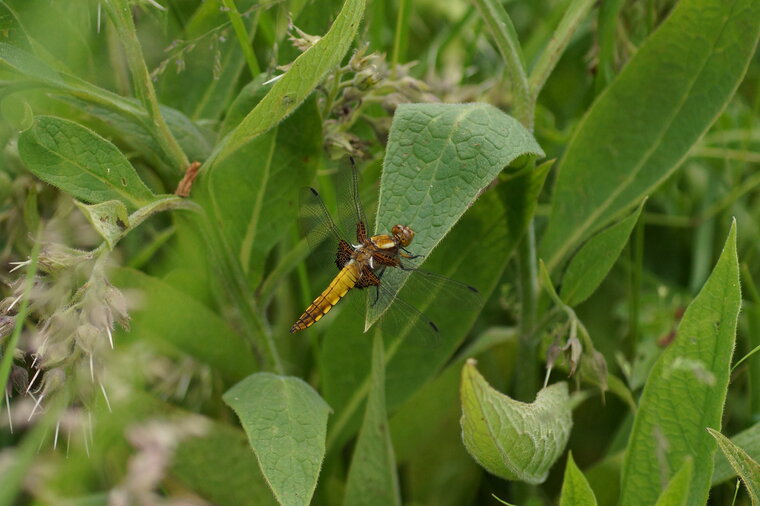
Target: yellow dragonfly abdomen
column 344, row 281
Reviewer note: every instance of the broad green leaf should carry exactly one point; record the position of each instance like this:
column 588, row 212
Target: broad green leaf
column 304, row 74
column 749, row 441
column 677, row 491
column 221, row 467
column 201, row 91
column 167, row 315
column 590, row 265
column 252, row 194
column 439, row 158
column 686, row 390
column 286, row 422
column 512, row 439
column 644, row 124
column 80, row 162
column 109, row 219
column 747, row 469
column 476, row 251
column 372, row 477
column 575, row 488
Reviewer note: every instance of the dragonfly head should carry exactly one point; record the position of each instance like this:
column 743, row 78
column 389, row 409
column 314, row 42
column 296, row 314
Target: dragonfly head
column 403, row 235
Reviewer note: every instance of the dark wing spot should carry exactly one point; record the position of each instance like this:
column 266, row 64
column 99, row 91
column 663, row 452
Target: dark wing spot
column 433, row 325
column 314, row 192
column 473, row 289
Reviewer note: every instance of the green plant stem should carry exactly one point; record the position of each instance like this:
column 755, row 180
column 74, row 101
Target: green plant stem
column 526, row 368
column 235, row 287
column 243, row 37
column 609, row 11
column 121, row 15
column 574, row 16
column 400, row 37
column 739, row 155
column 505, row 36
column 523, row 103
column 637, row 262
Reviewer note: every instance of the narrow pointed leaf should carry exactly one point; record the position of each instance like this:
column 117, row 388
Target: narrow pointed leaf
column 644, row 124
column 677, row 491
column 593, row 262
column 747, row 469
column 304, row 74
column 686, row 391
column 749, row 441
column 575, row 488
column 512, row 439
column 81, row 163
column 439, row 158
column 372, row 478
column 286, row 422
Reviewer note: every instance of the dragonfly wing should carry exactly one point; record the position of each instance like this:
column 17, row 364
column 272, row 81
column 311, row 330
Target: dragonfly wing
column 404, row 321
column 425, row 294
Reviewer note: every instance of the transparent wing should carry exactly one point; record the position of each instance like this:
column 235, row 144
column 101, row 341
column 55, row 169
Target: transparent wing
column 314, row 220
column 417, row 313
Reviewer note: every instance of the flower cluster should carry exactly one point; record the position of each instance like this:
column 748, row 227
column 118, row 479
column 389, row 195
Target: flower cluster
column 367, row 79
column 72, row 313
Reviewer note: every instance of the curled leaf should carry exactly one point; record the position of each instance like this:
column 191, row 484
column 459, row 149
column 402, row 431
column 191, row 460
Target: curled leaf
column 512, row 439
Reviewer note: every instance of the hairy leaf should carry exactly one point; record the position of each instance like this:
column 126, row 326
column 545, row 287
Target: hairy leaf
column 686, row 390
column 749, row 441
column 575, row 488
column 439, row 158
column 286, row 422
column 81, row 163
column 747, row 469
column 511, row 439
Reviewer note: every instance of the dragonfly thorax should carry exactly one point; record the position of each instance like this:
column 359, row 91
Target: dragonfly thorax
column 403, row 235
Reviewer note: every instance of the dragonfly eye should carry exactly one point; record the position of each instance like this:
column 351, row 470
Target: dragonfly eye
column 402, row 234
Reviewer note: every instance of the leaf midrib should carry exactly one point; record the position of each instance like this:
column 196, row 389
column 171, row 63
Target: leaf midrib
column 581, row 229
column 128, row 196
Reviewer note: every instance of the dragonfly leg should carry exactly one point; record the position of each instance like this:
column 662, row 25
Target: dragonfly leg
column 408, row 254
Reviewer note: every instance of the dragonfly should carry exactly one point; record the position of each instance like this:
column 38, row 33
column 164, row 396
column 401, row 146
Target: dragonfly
column 362, row 263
